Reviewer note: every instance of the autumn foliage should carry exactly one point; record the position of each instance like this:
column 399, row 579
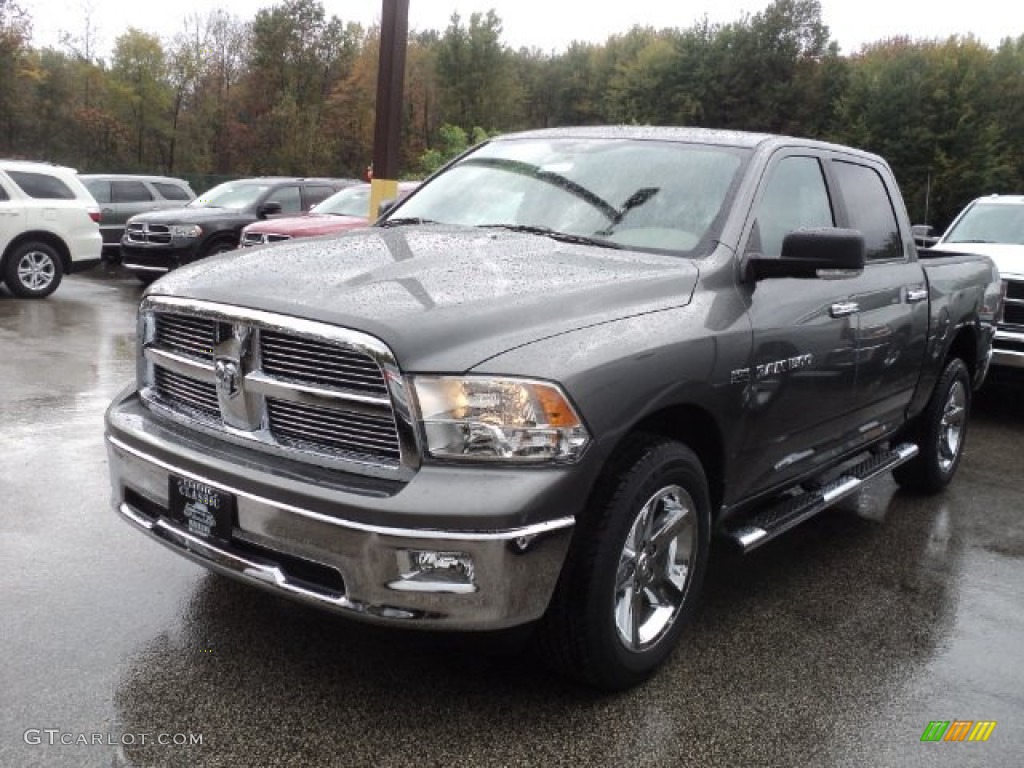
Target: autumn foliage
column 291, row 91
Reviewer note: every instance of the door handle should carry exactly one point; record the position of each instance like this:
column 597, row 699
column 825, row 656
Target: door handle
column 844, row 309
column 915, row 295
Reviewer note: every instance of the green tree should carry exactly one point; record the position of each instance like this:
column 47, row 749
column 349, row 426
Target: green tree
column 475, row 74
column 15, row 31
column 929, row 108
column 297, row 56
column 142, row 91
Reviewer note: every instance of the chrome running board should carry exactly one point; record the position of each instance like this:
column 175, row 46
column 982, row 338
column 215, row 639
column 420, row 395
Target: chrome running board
column 775, row 520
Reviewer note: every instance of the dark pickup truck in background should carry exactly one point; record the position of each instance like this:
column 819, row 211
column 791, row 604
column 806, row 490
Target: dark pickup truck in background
column 537, row 387
column 157, row 242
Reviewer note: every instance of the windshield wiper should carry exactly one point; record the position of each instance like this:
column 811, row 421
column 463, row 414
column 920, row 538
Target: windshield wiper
column 401, row 222
column 554, row 234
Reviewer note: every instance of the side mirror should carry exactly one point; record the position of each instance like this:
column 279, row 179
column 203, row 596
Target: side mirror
column 924, row 236
column 269, row 208
column 805, row 252
column 386, row 205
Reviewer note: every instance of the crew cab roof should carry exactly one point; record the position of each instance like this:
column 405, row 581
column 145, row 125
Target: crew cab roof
column 711, row 136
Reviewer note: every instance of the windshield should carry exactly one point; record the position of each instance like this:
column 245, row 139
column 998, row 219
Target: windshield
column 989, row 223
column 230, row 195
column 352, row 201
column 648, row 195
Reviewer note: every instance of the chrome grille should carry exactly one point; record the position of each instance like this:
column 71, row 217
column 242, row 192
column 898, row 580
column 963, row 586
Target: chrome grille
column 333, row 431
column 1013, row 307
column 319, row 363
column 192, row 336
column 196, row 398
column 293, row 387
column 148, row 233
column 260, row 238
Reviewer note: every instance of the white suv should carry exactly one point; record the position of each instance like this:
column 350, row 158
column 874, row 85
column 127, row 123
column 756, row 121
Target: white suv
column 49, row 226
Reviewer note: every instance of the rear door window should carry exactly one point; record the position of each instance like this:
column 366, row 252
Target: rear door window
column 171, row 191
column 129, row 192
column 313, row 194
column 870, row 209
column 99, row 189
column 41, row 186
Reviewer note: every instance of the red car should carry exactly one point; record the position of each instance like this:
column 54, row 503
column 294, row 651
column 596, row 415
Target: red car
column 340, row 212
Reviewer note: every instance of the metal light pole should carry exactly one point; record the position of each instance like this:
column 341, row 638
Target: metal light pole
column 394, row 33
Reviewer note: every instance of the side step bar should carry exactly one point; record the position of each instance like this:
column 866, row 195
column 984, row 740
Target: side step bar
column 775, row 520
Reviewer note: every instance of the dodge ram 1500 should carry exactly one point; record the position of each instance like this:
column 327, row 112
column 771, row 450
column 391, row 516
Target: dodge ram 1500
column 535, row 389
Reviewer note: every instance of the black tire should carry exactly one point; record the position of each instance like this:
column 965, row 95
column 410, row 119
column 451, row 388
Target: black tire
column 591, row 632
column 33, row 270
column 940, row 432
column 223, row 245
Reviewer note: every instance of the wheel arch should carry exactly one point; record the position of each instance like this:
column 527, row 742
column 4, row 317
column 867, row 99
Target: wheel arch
column 696, row 428
column 41, row 236
column 965, row 346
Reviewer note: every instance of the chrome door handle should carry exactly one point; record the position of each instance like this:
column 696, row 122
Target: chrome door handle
column 844, row 309
column 915, row 295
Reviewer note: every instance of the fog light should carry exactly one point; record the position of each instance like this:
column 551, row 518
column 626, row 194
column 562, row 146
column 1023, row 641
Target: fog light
column 429, row 571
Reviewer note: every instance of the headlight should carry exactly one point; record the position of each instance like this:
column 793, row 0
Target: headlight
column 186, row 231
column 480, row 418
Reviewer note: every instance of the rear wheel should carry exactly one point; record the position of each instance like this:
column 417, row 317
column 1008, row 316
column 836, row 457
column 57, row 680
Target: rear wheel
column 635, row 569
column 940, row 432
column 33, row 270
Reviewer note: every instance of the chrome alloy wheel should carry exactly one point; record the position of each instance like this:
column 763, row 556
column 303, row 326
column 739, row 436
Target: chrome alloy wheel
column 654, row 568
column 954, row 415
column 36, row 270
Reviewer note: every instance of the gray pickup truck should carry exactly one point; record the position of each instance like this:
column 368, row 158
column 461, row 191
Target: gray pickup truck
column 539, row 385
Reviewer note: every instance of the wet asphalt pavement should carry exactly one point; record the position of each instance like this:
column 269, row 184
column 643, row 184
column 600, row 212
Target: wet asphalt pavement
column 834, row 646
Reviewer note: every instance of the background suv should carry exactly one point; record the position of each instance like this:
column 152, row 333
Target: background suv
column 155, row 243
column 121, row 196
column 48, row 227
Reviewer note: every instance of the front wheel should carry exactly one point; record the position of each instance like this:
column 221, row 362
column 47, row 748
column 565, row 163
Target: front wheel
column 635, row 568
column 940, row 432
column 218, row 246
column 33, row 270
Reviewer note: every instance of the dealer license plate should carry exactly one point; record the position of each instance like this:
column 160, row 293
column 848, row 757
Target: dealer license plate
column 201, row 509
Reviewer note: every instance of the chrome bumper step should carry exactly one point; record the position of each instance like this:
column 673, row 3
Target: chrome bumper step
column 779, row 518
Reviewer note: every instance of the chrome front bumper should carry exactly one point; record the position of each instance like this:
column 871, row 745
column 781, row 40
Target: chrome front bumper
column 1008, row 349
column 339, row 564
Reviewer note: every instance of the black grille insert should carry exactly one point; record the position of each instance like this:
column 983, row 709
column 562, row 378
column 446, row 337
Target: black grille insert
column 333, row 431
column 321, row 364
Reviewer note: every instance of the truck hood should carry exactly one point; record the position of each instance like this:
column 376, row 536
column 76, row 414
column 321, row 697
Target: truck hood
column 1009, row 258
column 442, row 298
column 308, row 226
column 194, row 216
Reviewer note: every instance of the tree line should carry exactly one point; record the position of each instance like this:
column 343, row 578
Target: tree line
column 292, row 91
